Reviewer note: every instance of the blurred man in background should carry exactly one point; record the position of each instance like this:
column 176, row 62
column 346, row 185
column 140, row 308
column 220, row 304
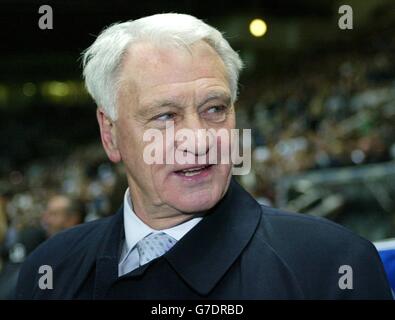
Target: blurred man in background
column 62, row 212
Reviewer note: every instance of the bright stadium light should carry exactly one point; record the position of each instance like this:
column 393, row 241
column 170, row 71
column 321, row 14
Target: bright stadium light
column 258, row 27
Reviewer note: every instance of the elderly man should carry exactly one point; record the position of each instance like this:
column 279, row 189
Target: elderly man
column 188, row 230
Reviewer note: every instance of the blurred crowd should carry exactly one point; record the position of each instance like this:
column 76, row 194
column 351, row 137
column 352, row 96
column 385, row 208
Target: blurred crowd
column 48, row 198
column 334, row 112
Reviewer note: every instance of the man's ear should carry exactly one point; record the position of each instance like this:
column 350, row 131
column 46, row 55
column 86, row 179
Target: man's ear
column 108, row 137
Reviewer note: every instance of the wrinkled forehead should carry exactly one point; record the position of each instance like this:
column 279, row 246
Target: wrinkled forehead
column 147, row 65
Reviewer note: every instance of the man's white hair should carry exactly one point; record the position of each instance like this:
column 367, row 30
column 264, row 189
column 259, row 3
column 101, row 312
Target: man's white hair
column 102, row 60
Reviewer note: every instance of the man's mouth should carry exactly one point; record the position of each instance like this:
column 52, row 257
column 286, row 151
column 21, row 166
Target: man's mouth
column 194, row 171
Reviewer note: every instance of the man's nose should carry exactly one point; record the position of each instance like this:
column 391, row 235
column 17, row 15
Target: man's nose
column 193, row 137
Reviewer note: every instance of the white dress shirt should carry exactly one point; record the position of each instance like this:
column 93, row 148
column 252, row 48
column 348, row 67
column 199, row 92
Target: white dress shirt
column 136, row 229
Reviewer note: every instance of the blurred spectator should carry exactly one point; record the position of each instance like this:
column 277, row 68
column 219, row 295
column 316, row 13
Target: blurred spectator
column 62, row 212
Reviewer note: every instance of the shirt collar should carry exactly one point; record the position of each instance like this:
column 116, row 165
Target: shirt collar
column 136, row 229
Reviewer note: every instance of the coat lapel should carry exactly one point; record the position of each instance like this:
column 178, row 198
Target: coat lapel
column 204, row 254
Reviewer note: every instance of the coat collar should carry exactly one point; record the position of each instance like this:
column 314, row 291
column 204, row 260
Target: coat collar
column 204, row 254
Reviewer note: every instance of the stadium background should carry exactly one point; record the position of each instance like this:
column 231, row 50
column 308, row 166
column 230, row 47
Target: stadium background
column 320, row 102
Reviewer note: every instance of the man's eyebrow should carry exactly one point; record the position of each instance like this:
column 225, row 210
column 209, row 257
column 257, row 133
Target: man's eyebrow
column 158, row 104
column 164, row 103
column 161, row 103
column 216, row 95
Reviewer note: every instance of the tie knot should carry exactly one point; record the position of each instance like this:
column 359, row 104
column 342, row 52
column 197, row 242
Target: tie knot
column 153, row 246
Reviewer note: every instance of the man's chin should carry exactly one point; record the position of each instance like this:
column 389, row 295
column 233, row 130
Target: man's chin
column 196, row 197
column 196, row 204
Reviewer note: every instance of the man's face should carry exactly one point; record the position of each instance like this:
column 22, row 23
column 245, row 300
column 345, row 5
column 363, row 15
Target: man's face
column 191, row 89
column 55, row 217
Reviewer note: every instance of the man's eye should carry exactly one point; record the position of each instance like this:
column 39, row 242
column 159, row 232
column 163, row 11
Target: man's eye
column 165, row 117
column 215, row 113
column 216, row 109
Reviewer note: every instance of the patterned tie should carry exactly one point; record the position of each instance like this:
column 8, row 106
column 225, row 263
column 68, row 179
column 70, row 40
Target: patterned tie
column 153, row 246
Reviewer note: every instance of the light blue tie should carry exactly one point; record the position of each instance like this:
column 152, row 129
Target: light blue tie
column 153, row 246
